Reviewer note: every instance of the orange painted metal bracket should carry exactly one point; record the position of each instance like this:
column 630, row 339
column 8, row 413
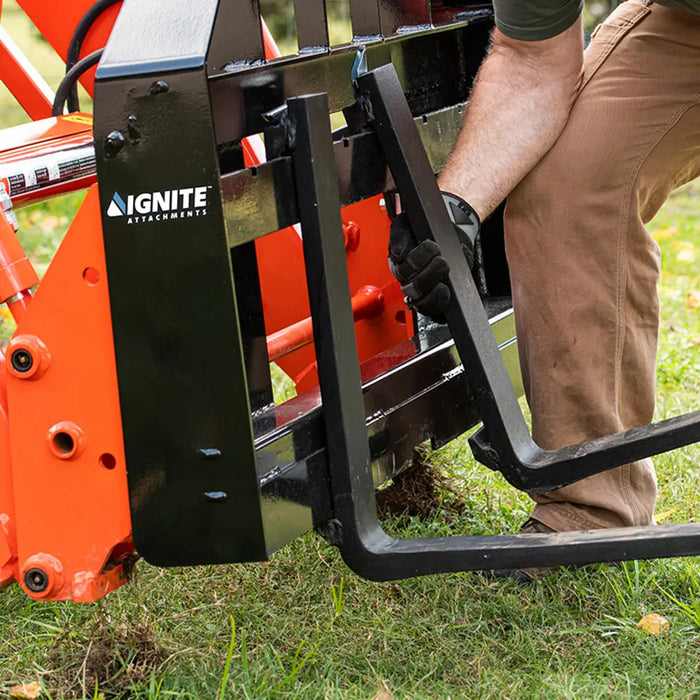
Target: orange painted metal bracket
column 57, row 21
column 68, row 500
column 23, row 80
column 8, row 539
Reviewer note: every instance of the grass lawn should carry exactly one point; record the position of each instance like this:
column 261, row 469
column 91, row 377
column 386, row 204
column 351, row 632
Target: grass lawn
column 303, row 626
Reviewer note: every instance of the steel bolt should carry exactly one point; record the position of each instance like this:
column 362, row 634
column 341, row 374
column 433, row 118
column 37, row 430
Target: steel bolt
column 114, row 142
column 133, row 129
column 159, row 87
column 36, row 580
column 22, row 360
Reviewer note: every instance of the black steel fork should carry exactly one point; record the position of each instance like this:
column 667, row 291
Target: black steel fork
column 505, row 442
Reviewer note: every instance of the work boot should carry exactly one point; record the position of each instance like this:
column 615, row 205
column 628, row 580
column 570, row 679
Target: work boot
column 525, row 576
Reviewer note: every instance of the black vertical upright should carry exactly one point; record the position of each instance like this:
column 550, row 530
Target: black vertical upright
column 188, row 440
column 331, row 311
column 312, row 24
column 237, row 35
column 396, row 14
column 364, row 15
column 237, row 41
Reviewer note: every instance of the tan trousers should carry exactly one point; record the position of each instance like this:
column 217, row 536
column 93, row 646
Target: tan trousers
column 584, row 269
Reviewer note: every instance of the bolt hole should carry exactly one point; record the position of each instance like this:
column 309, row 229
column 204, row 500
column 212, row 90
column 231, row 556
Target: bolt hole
column 63, row 443
column 401, row 317
column 91, row 276
column 107, row 460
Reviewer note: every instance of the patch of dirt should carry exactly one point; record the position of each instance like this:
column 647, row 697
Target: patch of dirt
column 113, row 659
column 419, row 491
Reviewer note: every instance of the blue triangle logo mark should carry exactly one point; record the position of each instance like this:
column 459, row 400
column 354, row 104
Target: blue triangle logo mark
column 116, row 206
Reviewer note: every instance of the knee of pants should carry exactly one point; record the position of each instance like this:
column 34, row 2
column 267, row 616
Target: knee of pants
column 564, row 183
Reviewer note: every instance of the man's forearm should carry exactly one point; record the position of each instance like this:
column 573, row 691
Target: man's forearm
column 519, row 105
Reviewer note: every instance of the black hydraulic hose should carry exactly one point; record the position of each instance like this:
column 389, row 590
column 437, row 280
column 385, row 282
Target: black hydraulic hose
column 76, row 44
column 70, row 80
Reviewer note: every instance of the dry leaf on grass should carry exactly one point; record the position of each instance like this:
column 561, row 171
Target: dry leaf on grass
column 383, row 693
column 660, row 517
column 29, row 691
column 653, row 623
column 692, row 301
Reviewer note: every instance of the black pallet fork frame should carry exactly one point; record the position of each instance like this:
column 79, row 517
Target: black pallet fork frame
column 504, row 443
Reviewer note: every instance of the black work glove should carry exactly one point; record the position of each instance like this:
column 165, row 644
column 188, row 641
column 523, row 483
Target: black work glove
column 420, row 267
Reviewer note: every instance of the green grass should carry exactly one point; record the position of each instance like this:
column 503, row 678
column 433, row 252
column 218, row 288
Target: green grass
column 303, row 626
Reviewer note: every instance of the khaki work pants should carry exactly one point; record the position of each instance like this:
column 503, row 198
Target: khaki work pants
column 584, row 270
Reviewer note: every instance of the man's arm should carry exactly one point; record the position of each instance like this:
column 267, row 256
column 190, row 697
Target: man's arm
column 518, row 108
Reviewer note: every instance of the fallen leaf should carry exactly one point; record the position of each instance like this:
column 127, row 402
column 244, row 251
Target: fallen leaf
column 683, row 245
column 48, row 223
column 664, row 233
column 29, row 691
column 383, row 693
column 692, row 301
column 653, row 623
column 660, row 517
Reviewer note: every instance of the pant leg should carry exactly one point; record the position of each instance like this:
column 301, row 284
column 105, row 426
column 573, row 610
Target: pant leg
column 584, row 270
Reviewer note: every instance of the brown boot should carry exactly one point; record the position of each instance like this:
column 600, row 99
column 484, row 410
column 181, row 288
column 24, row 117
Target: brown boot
column 524, row 576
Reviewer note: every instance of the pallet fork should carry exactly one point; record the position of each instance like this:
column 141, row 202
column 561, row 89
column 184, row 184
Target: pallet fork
column 503, row 443
column 217, row 526
column 139, row 377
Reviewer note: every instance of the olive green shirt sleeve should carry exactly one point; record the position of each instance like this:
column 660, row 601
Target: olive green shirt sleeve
column 534, row 20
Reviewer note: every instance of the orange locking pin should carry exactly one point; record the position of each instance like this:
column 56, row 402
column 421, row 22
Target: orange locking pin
column 17, row 275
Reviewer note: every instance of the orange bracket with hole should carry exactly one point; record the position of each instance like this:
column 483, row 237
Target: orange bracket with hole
column 67, row 477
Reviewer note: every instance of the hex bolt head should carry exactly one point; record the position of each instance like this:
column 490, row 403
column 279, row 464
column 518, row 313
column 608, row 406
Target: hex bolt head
column 22, row 360
column 36, row 580
column 114, row 142
column 159, row 87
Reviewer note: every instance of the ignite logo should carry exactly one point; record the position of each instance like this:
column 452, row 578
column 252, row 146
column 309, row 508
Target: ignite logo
column 185, row 203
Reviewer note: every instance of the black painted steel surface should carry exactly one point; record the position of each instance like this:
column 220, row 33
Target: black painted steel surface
column 194, row 493
column 189, row 333
column 436, row 67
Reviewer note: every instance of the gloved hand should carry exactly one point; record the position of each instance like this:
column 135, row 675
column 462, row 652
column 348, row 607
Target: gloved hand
column 420, row 267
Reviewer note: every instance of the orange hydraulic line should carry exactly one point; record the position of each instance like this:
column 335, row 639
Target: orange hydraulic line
column 367, row 303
